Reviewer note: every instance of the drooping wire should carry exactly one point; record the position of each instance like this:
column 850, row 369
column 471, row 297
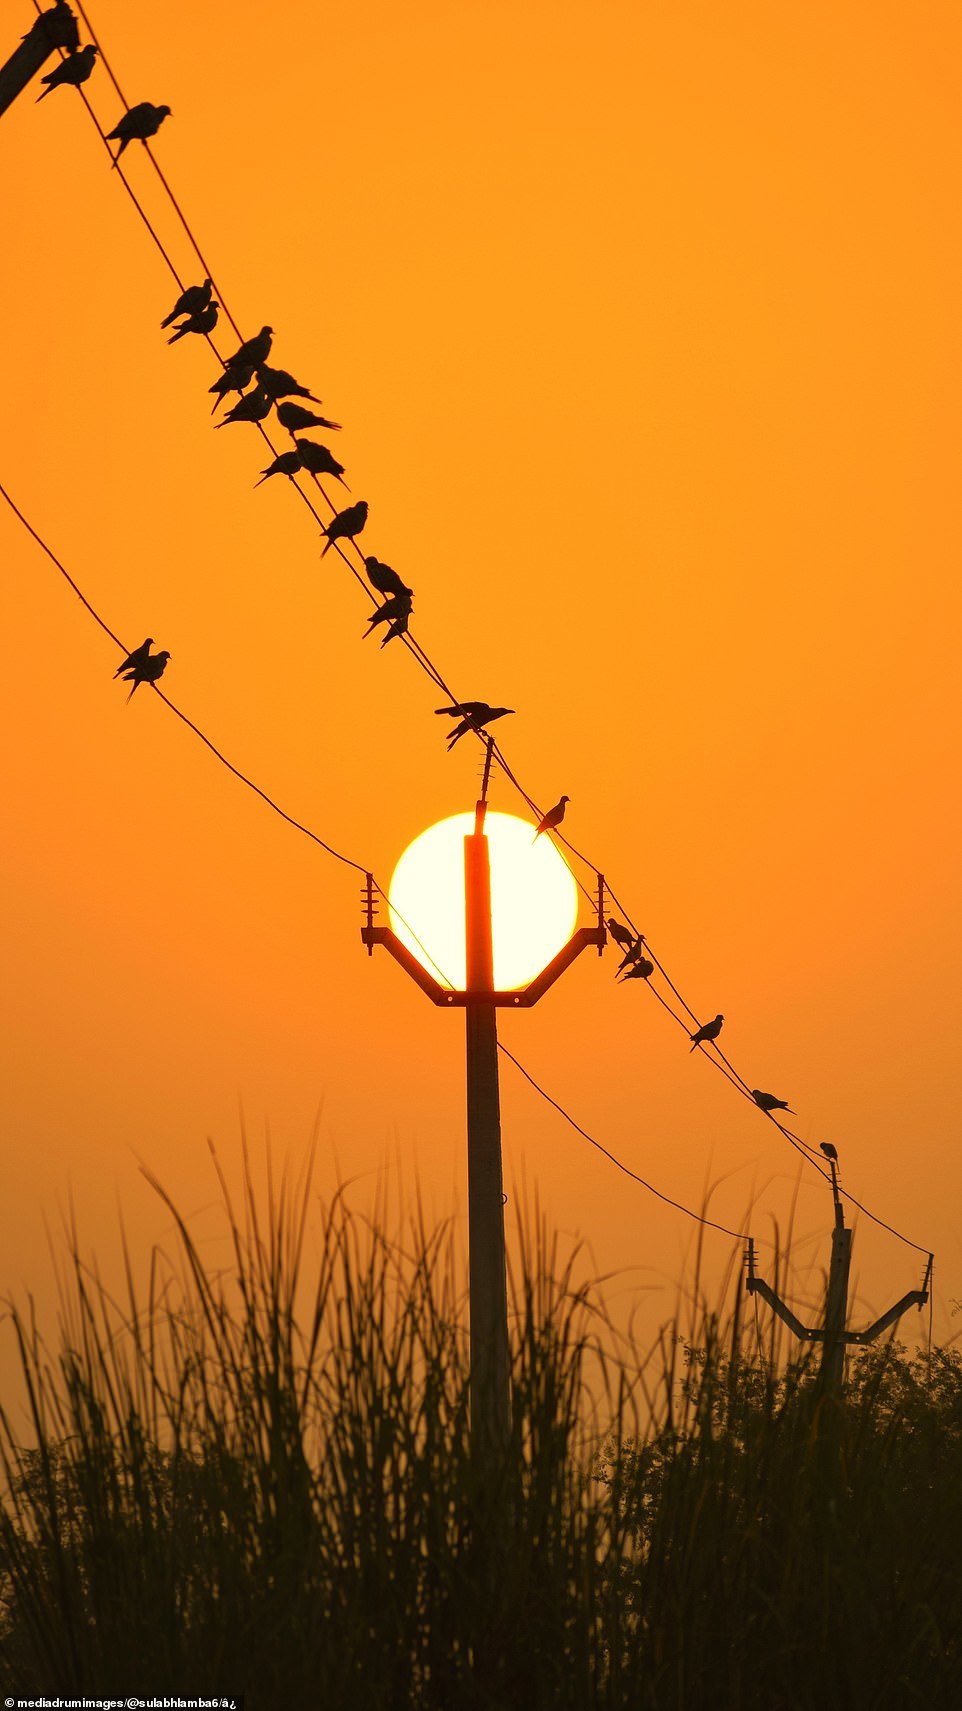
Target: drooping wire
column 347, row 860
column 716, row 1057
column 739, row 1235
column 297, row 824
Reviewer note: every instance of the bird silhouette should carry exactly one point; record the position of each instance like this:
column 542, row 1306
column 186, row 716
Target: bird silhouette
column 254, row 351
column 622, row 935
column 768, row 1102
column 553, row 817
column 137, row 124
column 319, row 460
column 75, row 69
column 346, row 524
column 295, row 418
column 398, row 628
column 280, row 384
column 136, row 657
column 204, row 323
column 710, row 1031
column 57, row 28
column 147, row 670
column 253, row 407
column 640, row 971
column 632, row 954
column 232, row 380
column 383, row 578
column 474, row 716
column 286, row 463
column 829, row 1151
column 399, row 606
column 190, row 302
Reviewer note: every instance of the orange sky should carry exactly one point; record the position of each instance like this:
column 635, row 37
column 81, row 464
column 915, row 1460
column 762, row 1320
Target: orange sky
column 643, row 326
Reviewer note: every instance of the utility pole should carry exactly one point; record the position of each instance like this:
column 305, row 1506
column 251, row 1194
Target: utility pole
column 51, row 30
column 487, row 1285
column 832, row 1334
column 481, row 1000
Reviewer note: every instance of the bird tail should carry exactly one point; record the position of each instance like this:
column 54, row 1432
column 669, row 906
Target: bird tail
column 131, row 692
column 171, row 317
column 327, row 543
column 697, row 1043
column 180, row 331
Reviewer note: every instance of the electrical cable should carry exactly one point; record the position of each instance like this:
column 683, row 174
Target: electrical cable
column 710, row 1223
column 720, row 1061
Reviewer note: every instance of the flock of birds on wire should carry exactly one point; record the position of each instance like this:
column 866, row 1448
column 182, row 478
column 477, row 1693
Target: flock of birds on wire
column 275, row 388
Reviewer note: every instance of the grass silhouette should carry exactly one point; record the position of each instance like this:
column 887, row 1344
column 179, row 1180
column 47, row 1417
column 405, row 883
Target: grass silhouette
column 260, row 1481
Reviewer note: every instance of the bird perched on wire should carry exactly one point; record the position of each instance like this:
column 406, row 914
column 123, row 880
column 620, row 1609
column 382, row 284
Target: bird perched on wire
column 397, row 608
column 254, row 351
column 137, row 124
column 137, row 657
column 474, row 716
column 286, row 463
column 190, row 302
column 829, row 1151
column 295, row 418
column 319, row 460
column 280, row 384
column 632, row 954
column 768, row 1102
column 621, row 934
column 710, row 1031
column 202, row 323
column 346, row 524
column 232, row 380
column 553, row 818
column 57, row 26
column 641, row 970
column 253, row 407
column 75, row 69
column 398, row 628
column 383, row 578
column 147, row 670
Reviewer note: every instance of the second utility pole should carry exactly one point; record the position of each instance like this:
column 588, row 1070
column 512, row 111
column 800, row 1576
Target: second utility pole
column 486, row 1261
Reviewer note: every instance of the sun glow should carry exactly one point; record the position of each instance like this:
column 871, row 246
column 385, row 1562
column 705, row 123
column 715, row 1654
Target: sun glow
column 534, row 899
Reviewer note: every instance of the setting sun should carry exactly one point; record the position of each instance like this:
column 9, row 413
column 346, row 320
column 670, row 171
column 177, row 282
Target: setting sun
column 534, row 899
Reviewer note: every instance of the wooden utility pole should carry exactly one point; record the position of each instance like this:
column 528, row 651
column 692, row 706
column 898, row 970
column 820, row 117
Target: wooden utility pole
column 50, row 31
column 832, row 1334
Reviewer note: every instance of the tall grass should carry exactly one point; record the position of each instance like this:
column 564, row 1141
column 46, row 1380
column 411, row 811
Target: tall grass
column 261, row 1481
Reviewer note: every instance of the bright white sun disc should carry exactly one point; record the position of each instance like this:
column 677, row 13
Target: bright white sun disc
column 534, row 899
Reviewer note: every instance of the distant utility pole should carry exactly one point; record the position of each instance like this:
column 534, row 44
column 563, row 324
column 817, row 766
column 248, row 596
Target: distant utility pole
column 49, row 31
column 832, row 1334
column 480, row 1001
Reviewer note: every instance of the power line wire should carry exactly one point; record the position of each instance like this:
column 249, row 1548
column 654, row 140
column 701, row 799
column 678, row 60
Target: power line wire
column 739, row 1235
column 720, row 1061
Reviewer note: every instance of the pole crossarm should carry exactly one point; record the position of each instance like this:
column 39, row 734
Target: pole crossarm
column 757, row 1286
column 914, row 1298
column 448, row 998
column 51, row 30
